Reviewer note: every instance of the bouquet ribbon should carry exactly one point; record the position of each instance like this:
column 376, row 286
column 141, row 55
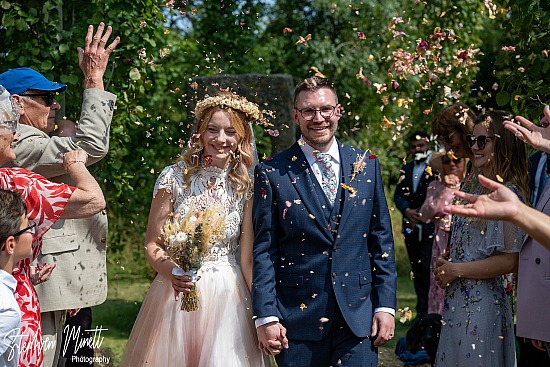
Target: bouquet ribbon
column 177, row 271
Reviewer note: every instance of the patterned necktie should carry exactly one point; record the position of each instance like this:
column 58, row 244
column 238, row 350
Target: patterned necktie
column 330, row 183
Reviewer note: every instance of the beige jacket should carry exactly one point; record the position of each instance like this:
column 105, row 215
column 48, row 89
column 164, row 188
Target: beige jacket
column 76, row 246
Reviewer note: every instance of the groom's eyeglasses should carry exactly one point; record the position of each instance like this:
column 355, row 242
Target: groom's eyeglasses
column 309, row 113
column 481, row 140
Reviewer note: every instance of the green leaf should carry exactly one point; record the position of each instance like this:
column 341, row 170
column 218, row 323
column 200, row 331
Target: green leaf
column 5, row 4
column 135, row 74
column 46, row 65
column 503, row 98
column 63, row 48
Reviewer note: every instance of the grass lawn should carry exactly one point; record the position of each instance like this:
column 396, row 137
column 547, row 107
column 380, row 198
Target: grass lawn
column 118, row 313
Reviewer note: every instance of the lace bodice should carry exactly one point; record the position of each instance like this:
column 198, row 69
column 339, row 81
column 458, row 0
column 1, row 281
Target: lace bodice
column 207, row 186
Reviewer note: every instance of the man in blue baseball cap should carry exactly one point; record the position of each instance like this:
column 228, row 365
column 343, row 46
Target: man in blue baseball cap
column 77, row 248
column 38, row 91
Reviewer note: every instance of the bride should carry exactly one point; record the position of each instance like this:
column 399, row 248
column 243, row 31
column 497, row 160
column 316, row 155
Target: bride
column 213, row 169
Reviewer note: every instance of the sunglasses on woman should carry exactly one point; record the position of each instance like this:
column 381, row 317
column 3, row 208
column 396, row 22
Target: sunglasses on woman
column 49, row 98
column 481, row 140
column 455, row 161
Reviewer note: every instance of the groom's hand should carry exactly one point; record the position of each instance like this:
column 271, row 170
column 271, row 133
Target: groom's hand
column 272, row 338
column 383, row 326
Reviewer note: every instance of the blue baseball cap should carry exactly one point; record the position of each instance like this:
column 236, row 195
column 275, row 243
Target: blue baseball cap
column 19, row 80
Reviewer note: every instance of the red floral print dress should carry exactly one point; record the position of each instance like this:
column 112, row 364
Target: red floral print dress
column 45, row 203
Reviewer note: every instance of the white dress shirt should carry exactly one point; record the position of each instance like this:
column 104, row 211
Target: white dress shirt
column 314, row 164
column 10, row 321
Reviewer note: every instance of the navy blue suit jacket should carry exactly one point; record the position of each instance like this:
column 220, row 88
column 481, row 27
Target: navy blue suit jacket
column 302, row 270
column 404, row 196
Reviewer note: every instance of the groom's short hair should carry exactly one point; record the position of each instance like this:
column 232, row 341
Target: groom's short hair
column 312, row 84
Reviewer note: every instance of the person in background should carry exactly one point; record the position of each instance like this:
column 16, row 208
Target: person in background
column 16, row 234
column 48, row 202
column 440, row 194
column 324, row 283
column 478, row 326
column 450, row 128
column 409, row 196
column 76, row 247
column 64, row 128
column 213, row 170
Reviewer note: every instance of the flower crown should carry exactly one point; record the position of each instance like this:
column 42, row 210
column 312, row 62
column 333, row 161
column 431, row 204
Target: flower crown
column 250, row 109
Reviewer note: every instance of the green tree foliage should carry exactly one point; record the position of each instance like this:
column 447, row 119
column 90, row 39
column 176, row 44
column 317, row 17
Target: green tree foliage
column 369, row 48
column 527, row 26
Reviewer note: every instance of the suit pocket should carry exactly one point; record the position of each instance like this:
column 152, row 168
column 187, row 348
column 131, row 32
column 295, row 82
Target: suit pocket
column 60, row 238
column 291, row 281
column 364, row 277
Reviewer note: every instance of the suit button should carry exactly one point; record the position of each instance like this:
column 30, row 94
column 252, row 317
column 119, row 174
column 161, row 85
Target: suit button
column 334, row 275
column 537, row 261
column 103, row 240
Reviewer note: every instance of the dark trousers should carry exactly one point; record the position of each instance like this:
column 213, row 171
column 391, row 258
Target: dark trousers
column 82, row 319
column 340, row 348
column 420, row 256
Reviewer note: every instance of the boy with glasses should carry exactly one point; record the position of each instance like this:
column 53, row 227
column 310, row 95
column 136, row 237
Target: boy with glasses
column 16, row 234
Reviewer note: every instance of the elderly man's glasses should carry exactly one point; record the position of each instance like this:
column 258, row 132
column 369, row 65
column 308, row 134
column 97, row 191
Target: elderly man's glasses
column 49, row 98
column 481, row 140
column 309, row 113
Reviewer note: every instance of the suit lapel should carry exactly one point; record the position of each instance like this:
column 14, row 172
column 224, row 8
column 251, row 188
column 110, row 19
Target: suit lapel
column 347, row 157
column 301, row 177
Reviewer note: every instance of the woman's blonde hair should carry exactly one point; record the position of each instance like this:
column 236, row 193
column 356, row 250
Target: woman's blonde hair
column 242, row 159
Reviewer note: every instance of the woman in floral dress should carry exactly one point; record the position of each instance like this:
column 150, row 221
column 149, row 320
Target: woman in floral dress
column 477, row 315
column 440, row 194
column 213, row 170
column 46, row 203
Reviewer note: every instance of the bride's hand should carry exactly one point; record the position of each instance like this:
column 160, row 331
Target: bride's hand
column 181, row 284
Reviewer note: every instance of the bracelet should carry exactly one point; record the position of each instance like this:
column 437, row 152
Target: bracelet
column 70, row 163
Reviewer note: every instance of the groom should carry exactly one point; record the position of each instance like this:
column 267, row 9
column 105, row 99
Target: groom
column 324, row 269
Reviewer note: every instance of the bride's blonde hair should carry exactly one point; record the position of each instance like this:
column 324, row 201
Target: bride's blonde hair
column 240, row 112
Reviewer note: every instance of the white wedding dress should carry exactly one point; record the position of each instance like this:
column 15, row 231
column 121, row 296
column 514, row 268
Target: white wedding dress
column 221, row 332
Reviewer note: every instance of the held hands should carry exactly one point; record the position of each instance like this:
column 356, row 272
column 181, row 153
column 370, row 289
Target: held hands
column 537, row 136
column 272, row 338
column 93, row 59
column 41, row 273
column 383, row 326
column 444, row 271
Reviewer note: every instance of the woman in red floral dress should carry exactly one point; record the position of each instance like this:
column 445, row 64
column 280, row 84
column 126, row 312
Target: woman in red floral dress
column 46, row 202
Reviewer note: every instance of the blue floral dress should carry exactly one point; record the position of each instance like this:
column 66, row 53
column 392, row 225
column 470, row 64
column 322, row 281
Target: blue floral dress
column 478, row 323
